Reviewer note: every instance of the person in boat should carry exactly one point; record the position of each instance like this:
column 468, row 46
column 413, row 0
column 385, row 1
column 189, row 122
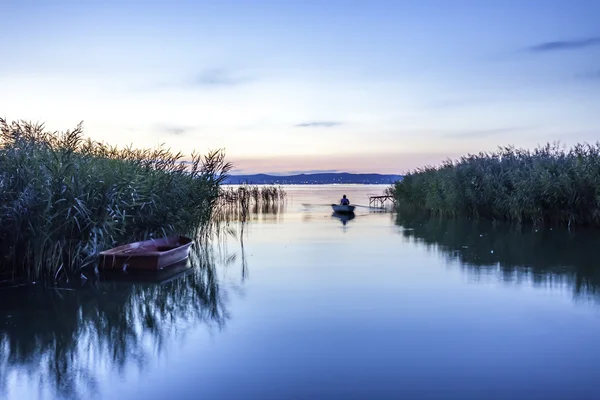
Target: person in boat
column 344, row 201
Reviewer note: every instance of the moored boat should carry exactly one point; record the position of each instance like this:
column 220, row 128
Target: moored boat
column 153, row 254
column 338, row 208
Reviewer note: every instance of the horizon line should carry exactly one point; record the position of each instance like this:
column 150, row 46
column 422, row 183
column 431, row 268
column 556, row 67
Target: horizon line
column 277, row 174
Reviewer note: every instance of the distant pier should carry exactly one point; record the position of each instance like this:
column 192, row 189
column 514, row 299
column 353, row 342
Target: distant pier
column 381, row 200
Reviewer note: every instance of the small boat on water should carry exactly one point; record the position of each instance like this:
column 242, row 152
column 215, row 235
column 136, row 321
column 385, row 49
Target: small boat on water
column 338, row 208
column 159, row 277
column 153, row 254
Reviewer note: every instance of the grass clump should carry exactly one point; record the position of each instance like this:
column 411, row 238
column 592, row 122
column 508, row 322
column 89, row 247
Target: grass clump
column 64, row 198
column 548, row 185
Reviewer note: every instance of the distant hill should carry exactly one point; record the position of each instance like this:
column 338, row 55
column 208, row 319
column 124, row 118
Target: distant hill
column 313, row 179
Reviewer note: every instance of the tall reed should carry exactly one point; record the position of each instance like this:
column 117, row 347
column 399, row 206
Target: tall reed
column 238, row 202
column 64, row 198
column 547, row 185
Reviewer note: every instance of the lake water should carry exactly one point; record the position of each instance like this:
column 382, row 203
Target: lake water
column 304, row 305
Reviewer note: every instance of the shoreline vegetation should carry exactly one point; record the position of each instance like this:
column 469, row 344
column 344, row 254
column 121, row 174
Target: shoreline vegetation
column 65, row 198
column 547, row 185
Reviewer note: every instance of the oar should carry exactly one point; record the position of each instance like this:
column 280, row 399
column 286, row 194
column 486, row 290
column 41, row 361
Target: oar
column 370, row 207
column 330, row 204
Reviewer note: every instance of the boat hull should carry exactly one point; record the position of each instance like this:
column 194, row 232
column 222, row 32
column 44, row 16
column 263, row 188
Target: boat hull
column 342, row 209
column 160, row 277
column 149, row 255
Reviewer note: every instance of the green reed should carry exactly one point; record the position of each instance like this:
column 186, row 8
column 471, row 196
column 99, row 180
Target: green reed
column 64, row 198
column 546, row 185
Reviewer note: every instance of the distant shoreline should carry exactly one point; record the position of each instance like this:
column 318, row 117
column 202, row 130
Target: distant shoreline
column 307, row 184
column 314, row 179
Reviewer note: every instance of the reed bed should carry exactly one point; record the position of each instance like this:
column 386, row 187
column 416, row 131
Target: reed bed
column 548, row 185
column 64, row 198
column 238, row 202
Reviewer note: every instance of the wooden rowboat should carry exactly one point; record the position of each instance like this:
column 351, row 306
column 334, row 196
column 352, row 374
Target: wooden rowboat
column 153, row 254
column 343, row 209
column 159, row 277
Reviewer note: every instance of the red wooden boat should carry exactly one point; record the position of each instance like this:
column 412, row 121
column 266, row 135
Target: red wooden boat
column 153, row 254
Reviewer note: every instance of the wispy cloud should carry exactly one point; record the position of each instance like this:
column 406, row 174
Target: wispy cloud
column 218, row 77
column 561, row 45
column 175, row 130
column 318, row 124
column 443, row 104
column 451, row 103
column 594, row 75
column 487, row 132
column 204, row 79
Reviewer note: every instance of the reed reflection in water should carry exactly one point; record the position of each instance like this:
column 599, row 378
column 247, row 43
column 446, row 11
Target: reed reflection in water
column 64, row 338
column 545, row 257
column 61, row 342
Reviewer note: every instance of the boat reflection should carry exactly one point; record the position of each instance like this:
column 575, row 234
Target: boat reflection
column 344, row 218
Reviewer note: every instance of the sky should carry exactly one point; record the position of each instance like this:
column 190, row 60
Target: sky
column 281, row 86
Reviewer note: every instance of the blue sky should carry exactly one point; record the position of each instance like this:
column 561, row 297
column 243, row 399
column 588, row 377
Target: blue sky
column 370, row 86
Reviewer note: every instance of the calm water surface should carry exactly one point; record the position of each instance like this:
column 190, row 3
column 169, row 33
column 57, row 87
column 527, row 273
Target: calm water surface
column 305, row 305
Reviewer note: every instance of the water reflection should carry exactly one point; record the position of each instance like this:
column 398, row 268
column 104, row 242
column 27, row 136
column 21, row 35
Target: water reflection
column 233, row 220
column 343, row 218
column 64, row 338
column 549, row 257
column 234, row 212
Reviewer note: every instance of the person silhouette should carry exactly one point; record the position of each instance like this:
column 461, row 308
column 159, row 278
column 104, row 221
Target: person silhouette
column 344, row 201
